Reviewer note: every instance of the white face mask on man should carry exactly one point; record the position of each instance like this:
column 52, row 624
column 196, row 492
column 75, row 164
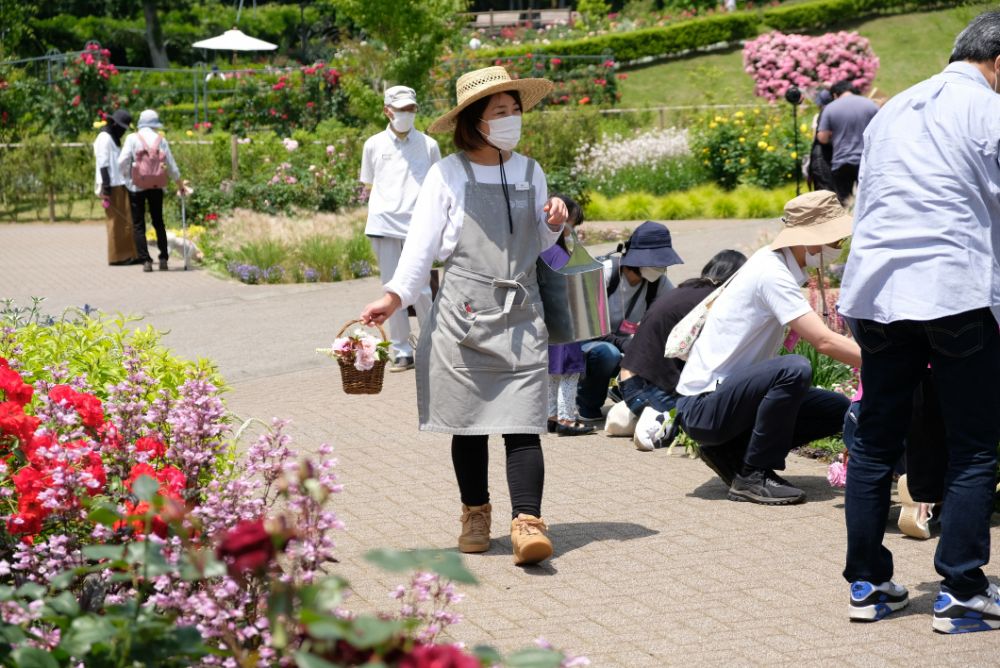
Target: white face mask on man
column 402, row 121
column 504, row 132
column 829, row 255
column 652, row 274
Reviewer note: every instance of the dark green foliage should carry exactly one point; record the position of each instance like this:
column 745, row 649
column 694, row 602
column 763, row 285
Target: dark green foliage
column 823, row 14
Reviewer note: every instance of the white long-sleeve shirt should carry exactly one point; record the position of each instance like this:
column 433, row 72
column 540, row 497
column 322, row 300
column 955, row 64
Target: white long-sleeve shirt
column 106, row 154
column 439, row 213
column 132, row 144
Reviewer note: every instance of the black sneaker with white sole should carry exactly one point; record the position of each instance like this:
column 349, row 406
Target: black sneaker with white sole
column 765, row 487
column 967, row 615
column 401, row 363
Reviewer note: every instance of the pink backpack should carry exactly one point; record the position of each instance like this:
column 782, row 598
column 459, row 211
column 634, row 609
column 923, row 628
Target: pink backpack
column 148, row 166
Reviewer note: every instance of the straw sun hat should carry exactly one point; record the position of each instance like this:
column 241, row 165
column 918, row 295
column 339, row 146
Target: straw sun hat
column 482, row 83
column 813, row 219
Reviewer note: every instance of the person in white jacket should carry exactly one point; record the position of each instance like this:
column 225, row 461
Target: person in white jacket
column 147, row 138
column 110, row 187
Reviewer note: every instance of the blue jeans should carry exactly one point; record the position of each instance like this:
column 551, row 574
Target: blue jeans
column 640, row 393
column 964, row 352
column 603, row 360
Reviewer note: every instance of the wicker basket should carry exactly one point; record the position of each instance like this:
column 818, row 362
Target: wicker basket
column 361, row 382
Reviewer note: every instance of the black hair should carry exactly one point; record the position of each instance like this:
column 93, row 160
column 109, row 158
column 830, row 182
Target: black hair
column 718, row 270
column 467, row 136
column 979, row 42
column 841, row 87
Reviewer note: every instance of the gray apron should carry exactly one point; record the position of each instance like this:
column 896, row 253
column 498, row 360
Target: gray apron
column 482, row 357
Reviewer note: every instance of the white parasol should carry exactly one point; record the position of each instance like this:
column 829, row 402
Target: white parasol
column 235, row 40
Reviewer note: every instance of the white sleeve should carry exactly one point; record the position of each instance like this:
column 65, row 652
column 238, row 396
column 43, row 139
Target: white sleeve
column 367, row 165
column 782, row 296
column 430, row 217
column 175, row 173
column 546, row 234
column 435, row 151
column 102, row 151
column 125, row 157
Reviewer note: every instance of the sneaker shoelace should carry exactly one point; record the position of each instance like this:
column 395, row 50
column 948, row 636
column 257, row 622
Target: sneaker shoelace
column 531, row 526
column 476, row 519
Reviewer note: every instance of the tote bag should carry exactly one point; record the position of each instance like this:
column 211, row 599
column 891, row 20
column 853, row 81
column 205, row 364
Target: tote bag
column 687, row 331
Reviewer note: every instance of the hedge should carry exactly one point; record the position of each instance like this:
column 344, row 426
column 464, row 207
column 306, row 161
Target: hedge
column 825, row 13
column 648, row 42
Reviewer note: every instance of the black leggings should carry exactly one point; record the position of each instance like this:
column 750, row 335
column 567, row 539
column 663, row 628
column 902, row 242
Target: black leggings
column 525, row 471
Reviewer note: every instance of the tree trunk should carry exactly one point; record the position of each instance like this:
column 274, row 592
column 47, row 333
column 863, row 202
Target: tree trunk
column 154, row 35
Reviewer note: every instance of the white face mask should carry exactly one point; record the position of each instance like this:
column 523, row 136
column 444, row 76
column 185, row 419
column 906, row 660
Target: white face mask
column 504, row 132
column 652, row 274
column 402, row 121
column 828, row 253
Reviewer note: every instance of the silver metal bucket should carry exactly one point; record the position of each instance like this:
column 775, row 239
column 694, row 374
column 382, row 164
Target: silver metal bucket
column 575, row 297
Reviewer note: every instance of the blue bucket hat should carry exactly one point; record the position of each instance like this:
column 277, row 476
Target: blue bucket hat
column 649, row 246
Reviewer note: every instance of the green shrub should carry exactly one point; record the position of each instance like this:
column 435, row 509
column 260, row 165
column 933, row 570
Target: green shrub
column 673, row 207
column 91, row 345
column 658, row 178
column 823, row 14
column 707, row 201
column 755, row 147
column 324, row 255
column 649, row 42
column 264, row 254
column 723, row 205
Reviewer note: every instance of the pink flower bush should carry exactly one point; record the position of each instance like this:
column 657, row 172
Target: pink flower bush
column 776, row 61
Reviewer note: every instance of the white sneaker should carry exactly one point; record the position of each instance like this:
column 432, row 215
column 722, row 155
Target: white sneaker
column 870, row 602
column 650, row 430
column 976, row 613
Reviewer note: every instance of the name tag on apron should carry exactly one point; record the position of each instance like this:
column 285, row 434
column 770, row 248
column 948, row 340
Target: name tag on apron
column 524, row 185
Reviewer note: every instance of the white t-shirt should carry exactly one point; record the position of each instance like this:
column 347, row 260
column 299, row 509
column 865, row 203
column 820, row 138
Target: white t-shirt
column 106, row 154
column 746, row 324
column 440, row 212
column 395, row 168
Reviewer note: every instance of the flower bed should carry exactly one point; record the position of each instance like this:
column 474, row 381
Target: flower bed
column 134, row 533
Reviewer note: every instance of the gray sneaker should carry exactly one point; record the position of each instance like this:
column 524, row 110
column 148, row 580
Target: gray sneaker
column 401, row 363
column 765, row 487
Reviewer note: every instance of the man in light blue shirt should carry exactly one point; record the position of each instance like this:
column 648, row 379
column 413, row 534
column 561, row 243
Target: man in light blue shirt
column 922, row 286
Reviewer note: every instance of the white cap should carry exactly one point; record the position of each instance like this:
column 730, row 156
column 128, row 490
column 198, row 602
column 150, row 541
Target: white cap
column 398, row 97
column 149, row 119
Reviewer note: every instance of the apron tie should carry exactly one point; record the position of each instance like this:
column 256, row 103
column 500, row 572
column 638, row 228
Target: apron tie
column 512, row 285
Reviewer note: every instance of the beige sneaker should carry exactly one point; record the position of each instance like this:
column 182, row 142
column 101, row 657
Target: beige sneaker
column 527, row 535
column 476, row 522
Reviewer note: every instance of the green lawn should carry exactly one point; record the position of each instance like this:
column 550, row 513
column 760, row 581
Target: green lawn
column 911, row 47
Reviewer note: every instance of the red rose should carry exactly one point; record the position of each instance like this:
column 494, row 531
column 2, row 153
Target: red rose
column 172, row 481
column 438, row 656
column 137, row 471
column 157, row 525
column 13, row 386
column 154, row 446
column 14, row 422
column 248, row 547
column 90, row 410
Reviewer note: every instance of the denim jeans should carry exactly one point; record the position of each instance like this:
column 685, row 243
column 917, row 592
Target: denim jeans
column 640, row 393
column 603, row 360
column 964, row 353
column 763, row 411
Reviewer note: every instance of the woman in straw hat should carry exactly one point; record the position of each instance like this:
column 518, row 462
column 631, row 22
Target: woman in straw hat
column 481, row 359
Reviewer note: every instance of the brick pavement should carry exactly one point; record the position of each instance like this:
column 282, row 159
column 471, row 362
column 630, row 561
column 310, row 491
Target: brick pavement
column 653, row 567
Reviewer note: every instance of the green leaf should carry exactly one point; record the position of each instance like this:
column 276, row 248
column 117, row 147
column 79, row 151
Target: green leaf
column 104, row 513
column 487, row 655
column 11, row 635
column 365, row 632
column 211, row 566
column 64, row 604
column 6, row 592
column 85, row 632
column 327, row 629
column 62, row 580
column 445, row 563
column 307, row 660
column 31, row 590
column 32, row 657
column 145, row 488
column 534, row 657
column 98, row 552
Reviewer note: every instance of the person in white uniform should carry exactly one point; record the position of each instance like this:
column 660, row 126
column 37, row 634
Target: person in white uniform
column 482, row 360
column 394, row 164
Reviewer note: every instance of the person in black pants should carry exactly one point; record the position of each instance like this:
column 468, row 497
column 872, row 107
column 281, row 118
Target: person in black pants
column 146, row 139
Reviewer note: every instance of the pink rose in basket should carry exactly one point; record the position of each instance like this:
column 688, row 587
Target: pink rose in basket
column 359, row 349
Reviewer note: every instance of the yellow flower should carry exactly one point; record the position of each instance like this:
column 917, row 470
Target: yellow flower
column 713, row 125
column 704, row 162
column 794, row 155
column 770, row 149
column 99, row 124
column 719, row 119
column 762, row 144
column 767, row 126
column 743, row 161
column 738, row 114
column 189, row 133
column 704, row 150
column 743, row 140
column 756, row 111
column 803, row 128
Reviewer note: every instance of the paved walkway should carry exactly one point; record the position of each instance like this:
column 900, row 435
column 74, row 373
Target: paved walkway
column 653, row 566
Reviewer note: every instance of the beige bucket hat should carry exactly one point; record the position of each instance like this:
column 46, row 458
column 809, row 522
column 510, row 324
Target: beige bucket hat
column 813, row 219
column 478, row 84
